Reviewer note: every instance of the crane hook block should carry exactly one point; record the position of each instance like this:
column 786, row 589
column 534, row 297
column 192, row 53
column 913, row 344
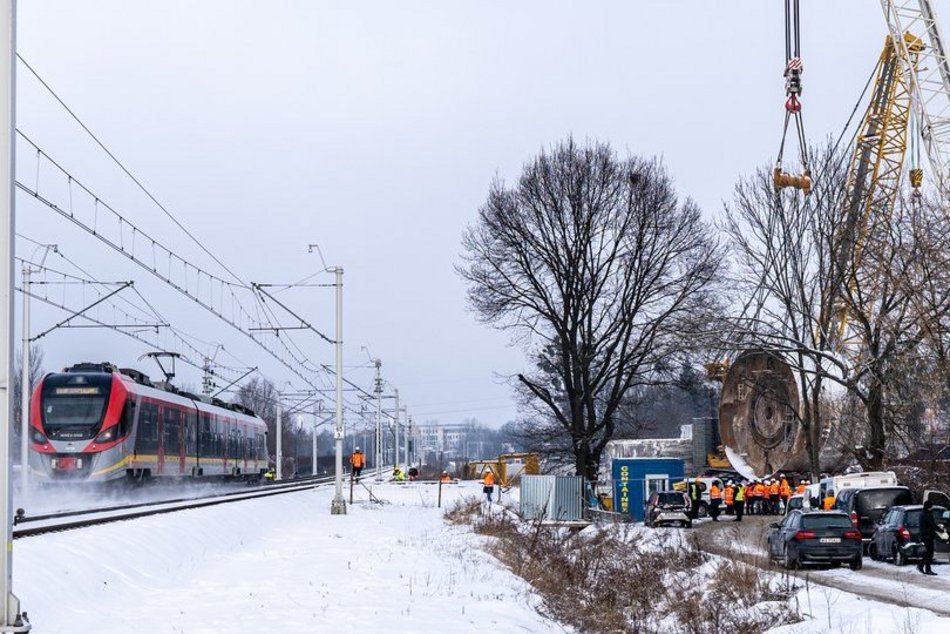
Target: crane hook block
column 798, row 181
column 916, row 177
column 793, row 105
column 793, row 76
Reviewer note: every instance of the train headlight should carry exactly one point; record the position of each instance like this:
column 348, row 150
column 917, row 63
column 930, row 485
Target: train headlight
column 39, row 438
column 106, row 436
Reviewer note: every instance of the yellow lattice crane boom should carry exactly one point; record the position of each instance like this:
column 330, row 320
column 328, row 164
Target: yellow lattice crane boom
column 909, row 107
column 874, row 175
column 926, row 76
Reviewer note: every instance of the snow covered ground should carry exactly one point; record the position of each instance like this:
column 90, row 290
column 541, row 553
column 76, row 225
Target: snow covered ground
column 284, row 564
column 279, row 564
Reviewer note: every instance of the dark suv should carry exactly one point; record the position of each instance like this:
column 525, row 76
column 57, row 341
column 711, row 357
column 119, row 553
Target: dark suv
column 815, row 537
column 667, row 507
column 897, row 536
column 867, row 506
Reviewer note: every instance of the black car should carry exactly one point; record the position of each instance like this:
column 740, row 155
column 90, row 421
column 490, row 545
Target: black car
column 867, row 506
column 825, row 537
column 667, row 507
column 897, row 536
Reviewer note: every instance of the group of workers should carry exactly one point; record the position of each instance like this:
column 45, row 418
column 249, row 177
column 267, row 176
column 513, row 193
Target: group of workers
column 767, row 496
column 358, row 461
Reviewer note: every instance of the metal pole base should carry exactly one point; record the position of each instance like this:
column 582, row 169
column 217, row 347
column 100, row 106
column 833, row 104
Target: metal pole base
column 338, row 506
column 18, row 621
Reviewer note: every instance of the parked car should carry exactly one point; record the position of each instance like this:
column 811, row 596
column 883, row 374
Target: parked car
column 867, row 506
column 797, row 502
column 897, row 536
column 667, row 507
column 826, row 537
column 705, row 484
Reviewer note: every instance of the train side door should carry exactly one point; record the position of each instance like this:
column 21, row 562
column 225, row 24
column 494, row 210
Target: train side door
column 160, row 467
column 245, row 442
column 182, row 441
column 225, row 438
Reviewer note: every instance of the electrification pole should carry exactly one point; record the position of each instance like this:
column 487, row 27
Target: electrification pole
column 25, row 385
column 379, row 422
column 11, row 620
column 280, row 450
column 25, row 390
column 396, row 425
column 338, row 506
column 317, row 409
column 408, row 438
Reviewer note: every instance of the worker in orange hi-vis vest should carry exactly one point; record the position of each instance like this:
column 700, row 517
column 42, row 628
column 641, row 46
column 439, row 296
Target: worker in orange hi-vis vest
column 715, row 499
column 800, row 489
column 774, row 497
column 784, row 489
column 753, row 497
column 729, row 495
column 357, row 461
column 489, row 487
column 828, row 504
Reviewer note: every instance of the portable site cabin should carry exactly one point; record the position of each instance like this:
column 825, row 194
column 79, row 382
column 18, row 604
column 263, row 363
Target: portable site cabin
column 552, row 498
column 634, row 479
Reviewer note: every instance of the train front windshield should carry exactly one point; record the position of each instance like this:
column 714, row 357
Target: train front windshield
column 74, row 405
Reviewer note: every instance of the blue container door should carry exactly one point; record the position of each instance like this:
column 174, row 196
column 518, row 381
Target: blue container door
column 623, row 488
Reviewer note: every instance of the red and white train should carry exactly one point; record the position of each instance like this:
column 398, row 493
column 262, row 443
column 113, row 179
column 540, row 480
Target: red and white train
column 95, row 422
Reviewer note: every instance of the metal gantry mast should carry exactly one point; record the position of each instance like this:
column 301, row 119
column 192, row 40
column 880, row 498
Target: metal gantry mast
column 927, row 80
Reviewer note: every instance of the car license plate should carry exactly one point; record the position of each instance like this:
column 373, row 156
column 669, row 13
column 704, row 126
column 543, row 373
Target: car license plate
column 830, row 540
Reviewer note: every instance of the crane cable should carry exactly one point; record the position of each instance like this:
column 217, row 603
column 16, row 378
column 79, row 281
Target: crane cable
column 793, row 107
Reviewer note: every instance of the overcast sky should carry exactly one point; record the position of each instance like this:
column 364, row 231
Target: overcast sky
column 374, row 130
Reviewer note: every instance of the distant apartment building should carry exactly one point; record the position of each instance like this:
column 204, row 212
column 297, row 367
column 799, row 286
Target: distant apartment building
column 437, row 442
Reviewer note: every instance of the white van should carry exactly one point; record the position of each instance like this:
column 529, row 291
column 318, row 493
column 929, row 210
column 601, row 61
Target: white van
column 861, row 480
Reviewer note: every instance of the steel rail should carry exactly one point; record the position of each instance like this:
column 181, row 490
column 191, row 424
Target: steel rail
column 106, row 515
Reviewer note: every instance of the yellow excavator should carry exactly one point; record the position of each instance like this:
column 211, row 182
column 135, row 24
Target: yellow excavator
column 506, row 467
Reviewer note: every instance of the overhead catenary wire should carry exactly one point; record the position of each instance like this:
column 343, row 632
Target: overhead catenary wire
column 131, row 256
column 129, row 249
column 156, row 320
column 128, row 173
column 152, row 197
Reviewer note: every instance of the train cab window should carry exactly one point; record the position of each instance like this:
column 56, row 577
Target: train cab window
column 73, row 406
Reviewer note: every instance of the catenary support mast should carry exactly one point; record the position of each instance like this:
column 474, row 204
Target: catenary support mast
column 10, row 618
column 338, row 506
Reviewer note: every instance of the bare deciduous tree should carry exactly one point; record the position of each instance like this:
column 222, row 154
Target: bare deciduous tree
column 601, row 271
column 36, row 373
column 785, row 271
column 260, row 395
column 842, row 302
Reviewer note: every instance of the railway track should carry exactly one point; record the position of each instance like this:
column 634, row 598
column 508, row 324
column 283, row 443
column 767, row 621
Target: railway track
column 32, row 525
